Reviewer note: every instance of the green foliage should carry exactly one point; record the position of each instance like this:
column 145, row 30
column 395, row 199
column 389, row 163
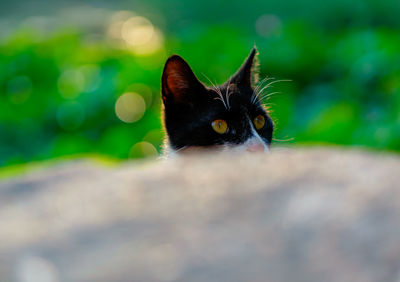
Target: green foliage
column 58, row 93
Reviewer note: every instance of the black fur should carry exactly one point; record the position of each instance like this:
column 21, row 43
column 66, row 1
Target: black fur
column 190, row 107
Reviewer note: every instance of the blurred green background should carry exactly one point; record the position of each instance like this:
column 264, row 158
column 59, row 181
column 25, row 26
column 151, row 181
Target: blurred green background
column 83, row 77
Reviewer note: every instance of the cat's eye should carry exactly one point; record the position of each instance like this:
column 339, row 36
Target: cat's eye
column 259, row 122
column 220, row 126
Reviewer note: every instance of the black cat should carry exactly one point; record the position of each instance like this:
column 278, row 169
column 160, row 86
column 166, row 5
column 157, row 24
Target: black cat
column 226, row 116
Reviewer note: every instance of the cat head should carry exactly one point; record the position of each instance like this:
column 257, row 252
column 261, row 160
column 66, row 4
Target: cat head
column 225, row 116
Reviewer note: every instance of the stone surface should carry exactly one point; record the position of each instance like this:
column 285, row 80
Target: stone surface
column 303, row 215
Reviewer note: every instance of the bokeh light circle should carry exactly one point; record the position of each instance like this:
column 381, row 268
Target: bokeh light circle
column 137, row 31
column 153, row 45
column 142, row 150
column 130, row 107
column 144, row 91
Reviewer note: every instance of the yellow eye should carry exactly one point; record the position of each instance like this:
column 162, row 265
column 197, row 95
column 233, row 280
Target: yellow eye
column 220, row 126
column 259, row 122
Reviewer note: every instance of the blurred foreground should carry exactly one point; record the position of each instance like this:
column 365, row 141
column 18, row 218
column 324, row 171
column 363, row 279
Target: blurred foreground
column 281, row 217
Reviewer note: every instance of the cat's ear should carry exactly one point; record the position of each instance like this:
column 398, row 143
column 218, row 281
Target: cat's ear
column 247, row 73
column 179, row 83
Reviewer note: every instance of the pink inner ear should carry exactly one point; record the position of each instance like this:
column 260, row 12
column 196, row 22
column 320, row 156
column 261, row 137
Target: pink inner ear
column 177, row 82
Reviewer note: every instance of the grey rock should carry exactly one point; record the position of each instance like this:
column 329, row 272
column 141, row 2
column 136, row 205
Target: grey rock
column 301, row 215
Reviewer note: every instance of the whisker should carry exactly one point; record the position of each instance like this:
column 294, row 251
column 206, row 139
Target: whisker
column 229, row 95
column 269, row 95
column 212, row 84
column 270, row 84
column 219, row 98
column 226, row 93
column 279, row 80
column 218, row 90
column 283, row 140
column 256, row 90
column 269, row 104
column 180, row 149
column 262, row 82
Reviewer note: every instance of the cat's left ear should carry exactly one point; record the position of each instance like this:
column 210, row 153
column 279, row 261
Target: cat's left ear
column 247, row 73
column 179, row 84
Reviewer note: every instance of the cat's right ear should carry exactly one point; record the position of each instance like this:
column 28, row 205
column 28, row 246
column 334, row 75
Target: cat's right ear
column 247, row 73
column 179, row 83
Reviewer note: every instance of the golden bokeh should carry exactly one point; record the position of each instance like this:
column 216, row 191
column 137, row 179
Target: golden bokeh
column 135, row 33
column 143, row 149
column 153, row 45
column 130, row 107
column 144, row 91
